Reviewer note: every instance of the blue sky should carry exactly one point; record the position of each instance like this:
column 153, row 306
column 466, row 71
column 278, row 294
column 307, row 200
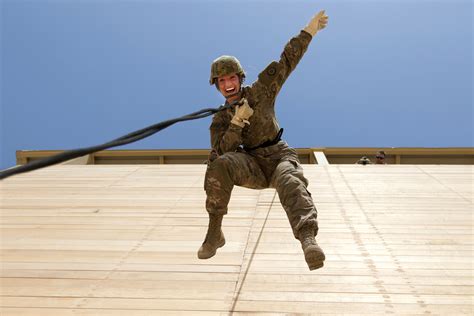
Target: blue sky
column 382, row 74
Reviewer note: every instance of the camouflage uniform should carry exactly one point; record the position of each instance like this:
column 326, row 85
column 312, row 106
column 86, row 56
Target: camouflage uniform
column 235, row 160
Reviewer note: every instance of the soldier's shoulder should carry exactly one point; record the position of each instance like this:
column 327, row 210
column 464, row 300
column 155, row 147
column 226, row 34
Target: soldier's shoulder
column 219, row 115
column 270, row 73
column 219, row 119
column 246, row 91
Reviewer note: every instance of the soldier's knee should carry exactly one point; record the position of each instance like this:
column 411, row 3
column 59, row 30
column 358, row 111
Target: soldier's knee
column 290, row 175
column 289, row 182
column 298, row 172
column 219, row 165
column 222, row 161
column 218, row 174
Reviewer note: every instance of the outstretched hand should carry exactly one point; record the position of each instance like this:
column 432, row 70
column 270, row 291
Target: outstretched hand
column 318, row 22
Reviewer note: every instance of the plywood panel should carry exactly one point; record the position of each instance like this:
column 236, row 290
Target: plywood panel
column 122, row 240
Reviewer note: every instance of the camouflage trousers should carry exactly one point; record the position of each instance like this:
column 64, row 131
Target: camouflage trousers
column 276, row 167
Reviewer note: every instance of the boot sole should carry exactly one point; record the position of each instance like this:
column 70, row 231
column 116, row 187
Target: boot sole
column 317, row 265
column 315, row 260
column 211, row 254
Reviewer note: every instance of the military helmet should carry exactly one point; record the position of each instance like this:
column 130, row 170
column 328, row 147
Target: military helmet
column 364, row 161
column 225, row 65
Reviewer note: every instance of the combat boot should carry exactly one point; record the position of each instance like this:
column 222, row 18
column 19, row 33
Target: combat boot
column 313, row 254
column 214, row 237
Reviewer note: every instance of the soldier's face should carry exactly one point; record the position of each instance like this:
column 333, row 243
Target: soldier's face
column 229, row 86
column 380, row 159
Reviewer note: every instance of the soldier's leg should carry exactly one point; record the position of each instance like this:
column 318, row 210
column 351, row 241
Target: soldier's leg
column 222, row 174
column 291, row 185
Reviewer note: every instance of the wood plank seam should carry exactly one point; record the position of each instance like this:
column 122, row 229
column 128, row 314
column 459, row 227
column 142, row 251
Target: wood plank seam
column 399, row 266
column 241, row 281
column 369, row 262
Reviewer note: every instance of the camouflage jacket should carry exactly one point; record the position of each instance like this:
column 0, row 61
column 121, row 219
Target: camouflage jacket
column 261, row 95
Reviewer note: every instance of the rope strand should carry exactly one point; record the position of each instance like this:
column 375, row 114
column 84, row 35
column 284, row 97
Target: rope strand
column 123, row 140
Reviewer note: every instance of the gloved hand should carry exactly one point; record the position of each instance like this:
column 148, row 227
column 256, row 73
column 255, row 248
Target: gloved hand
column 243, row 112
column 318, row 22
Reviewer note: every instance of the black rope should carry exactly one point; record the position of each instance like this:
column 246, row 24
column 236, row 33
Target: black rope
column 126, row 139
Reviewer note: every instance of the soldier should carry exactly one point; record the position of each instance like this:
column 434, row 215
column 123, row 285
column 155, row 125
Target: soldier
column 247, row 149
column 364, row 161
column 380, row 158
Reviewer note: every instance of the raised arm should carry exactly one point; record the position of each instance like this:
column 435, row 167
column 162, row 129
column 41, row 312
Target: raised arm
column 272, row 78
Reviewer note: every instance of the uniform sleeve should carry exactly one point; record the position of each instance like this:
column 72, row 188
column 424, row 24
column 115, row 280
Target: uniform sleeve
column 225, row 137
column 272, row 78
